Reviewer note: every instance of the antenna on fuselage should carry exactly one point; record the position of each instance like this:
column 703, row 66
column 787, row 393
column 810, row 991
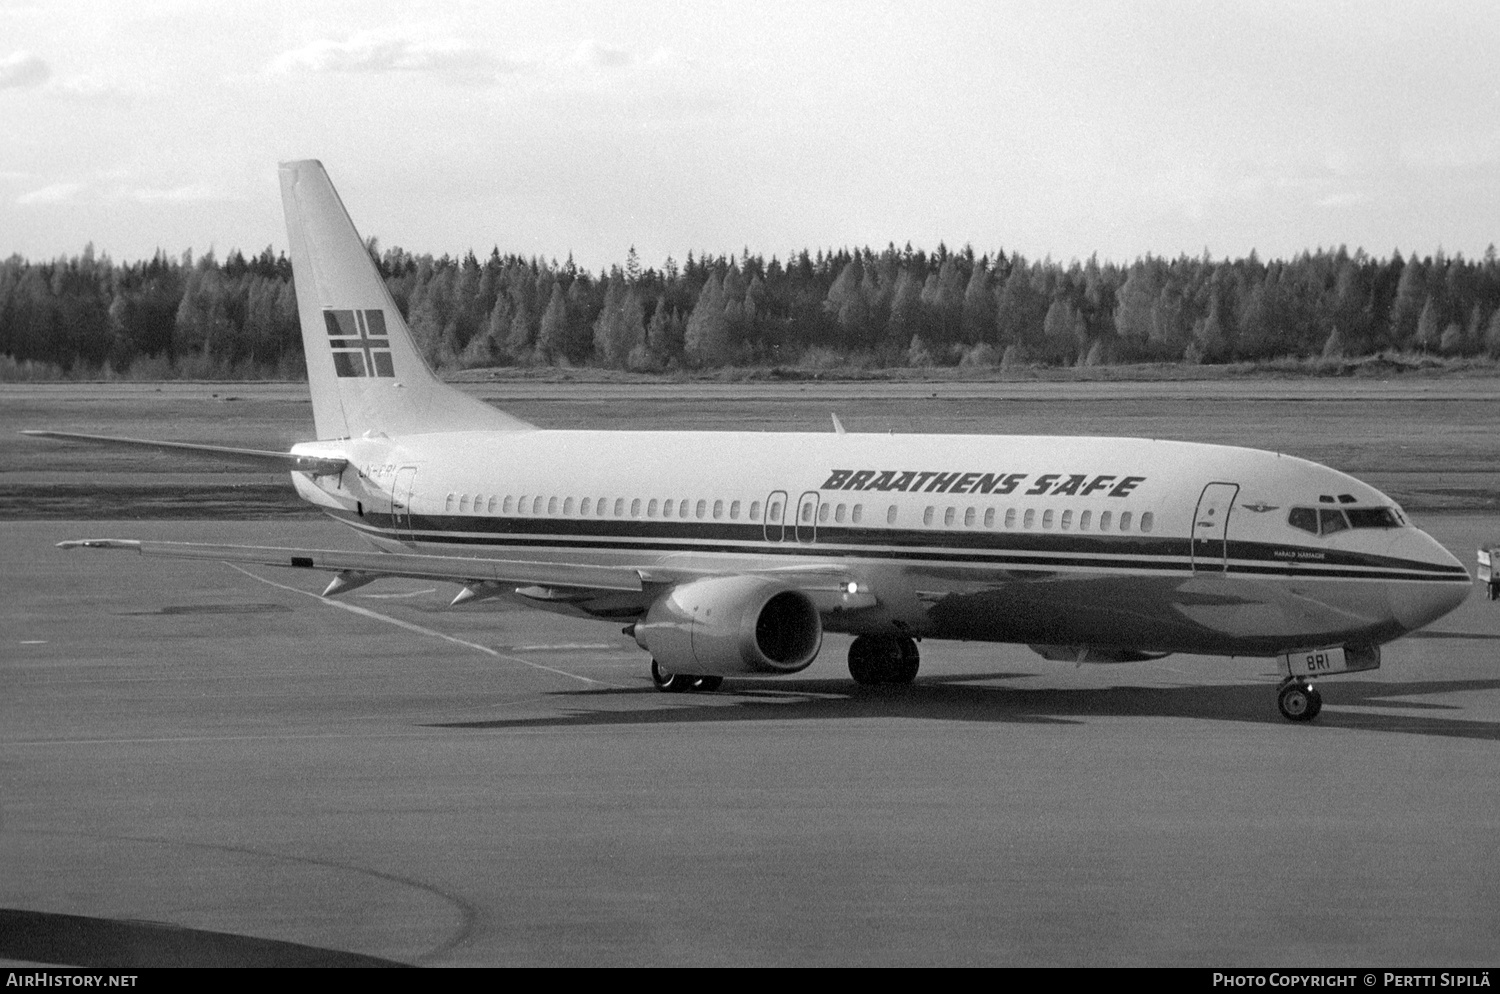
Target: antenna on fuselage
column 838, row 426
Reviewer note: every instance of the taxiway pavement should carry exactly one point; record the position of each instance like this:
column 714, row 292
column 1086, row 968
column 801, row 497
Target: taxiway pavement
column 266, row 776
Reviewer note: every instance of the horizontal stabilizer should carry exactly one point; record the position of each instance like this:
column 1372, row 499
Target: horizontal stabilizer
column 276, row 462
column 456, row 568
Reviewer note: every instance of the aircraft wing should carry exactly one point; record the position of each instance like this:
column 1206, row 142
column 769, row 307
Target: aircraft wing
column 364, row 566
column 830, row 587
column 260, row 458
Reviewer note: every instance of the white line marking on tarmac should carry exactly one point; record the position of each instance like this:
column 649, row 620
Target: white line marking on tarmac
column 393, row 597
column 420, row 630
column 33, row 641
column 562, row 646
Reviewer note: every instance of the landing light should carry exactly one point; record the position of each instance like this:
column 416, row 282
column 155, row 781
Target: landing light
column 852, row 587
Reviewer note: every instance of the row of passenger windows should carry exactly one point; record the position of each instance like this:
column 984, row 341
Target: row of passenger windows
column 600, row 507
column 719, row 510
column 1048, row 518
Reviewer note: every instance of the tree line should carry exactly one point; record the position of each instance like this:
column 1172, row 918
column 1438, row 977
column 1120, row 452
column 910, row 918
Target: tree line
column 894, row 307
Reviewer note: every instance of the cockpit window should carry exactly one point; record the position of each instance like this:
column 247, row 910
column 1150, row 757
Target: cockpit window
column 1330, row 521
column 1327, row 520
column 1304, row 518
column 1373, row 517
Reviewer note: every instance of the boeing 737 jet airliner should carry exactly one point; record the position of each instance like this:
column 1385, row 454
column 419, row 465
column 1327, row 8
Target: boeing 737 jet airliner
column 731, row 553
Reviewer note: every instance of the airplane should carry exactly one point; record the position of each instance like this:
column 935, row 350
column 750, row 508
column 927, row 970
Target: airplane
column 730, row 554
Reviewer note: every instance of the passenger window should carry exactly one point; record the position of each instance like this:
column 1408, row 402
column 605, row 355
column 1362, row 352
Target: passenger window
column 927, row 515
column 989, row 517
column 619, row 507
column 807, row 512
column 890, row 515
column 969, row 517
column 568, row 506
column 824, row 510
column 1067, row 520
column 463, row 503
column 718, row 509
column 948, row 516
column 1124, row 521
column 857, row 513
column 773, row 511
column 651, row 508
column 585, row 506
column 1104, row 520
column 754, row 510
column 1331, row 521
column 1010, row 517
column 1147, row 521
column 1083, row 520
column 1047, row 518
column 1305, row 518
column 448, row 503
column 635, row 508
column 551, row 505
column 601, row 505
column 838, row 514
column 1030, row 520
column 683, row 507
column 734, row 511
column 701, row 509
column 510, row 505
column 666, row 509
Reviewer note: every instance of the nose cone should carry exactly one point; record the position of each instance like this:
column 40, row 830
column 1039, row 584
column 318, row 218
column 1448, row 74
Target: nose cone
column 1417, row 604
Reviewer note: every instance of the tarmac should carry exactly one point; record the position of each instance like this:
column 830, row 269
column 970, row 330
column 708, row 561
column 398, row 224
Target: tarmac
column 202, row 764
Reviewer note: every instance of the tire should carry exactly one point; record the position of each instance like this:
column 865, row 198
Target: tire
column 708, row 684
column 911, row 660
column 1299, row 702
column 864, row 660
column 668, row 682
column 878, row 659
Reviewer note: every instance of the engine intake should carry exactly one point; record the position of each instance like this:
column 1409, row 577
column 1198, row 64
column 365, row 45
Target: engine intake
column 732, row 624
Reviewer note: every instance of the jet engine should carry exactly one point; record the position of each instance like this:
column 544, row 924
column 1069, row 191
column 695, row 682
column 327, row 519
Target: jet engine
column 728, row 625
column 1093, row 654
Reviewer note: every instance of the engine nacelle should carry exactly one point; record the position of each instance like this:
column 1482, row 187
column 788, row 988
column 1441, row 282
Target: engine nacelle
column 1093, row 654
column 728, row 625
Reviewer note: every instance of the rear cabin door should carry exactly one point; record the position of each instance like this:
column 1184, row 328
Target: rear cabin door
column 401, row 494
column 1211, row 527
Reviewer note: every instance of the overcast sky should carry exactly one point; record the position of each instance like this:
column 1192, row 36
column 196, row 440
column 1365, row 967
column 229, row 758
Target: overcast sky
column 1044, row 128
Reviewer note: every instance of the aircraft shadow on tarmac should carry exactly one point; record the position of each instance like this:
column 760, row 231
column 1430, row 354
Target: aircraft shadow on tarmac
column 81, row 941
column 966, row 698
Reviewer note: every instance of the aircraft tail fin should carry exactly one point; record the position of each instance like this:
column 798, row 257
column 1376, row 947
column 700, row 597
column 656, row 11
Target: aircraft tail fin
column 363, row 368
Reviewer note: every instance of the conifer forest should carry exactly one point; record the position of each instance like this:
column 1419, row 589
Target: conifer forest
column 203, row 318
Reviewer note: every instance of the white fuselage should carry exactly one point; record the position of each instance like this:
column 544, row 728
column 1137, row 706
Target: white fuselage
column 1105, row 542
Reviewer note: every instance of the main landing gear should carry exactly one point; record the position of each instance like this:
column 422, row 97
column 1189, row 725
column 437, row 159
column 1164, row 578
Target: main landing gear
column 1299, row 700
column 682, row 683
column 877, row 659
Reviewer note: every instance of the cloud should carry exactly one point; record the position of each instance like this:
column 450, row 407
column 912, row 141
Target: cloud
column 598, row 55
column 191, row 193
column 390, row 52
column 56, row 193
column 21, row 70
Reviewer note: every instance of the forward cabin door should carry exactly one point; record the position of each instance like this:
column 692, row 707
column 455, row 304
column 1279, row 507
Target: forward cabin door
column 401, row 493
column 1211, row 528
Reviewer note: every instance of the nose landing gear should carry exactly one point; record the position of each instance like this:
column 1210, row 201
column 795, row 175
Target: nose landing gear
column 1299, row 701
